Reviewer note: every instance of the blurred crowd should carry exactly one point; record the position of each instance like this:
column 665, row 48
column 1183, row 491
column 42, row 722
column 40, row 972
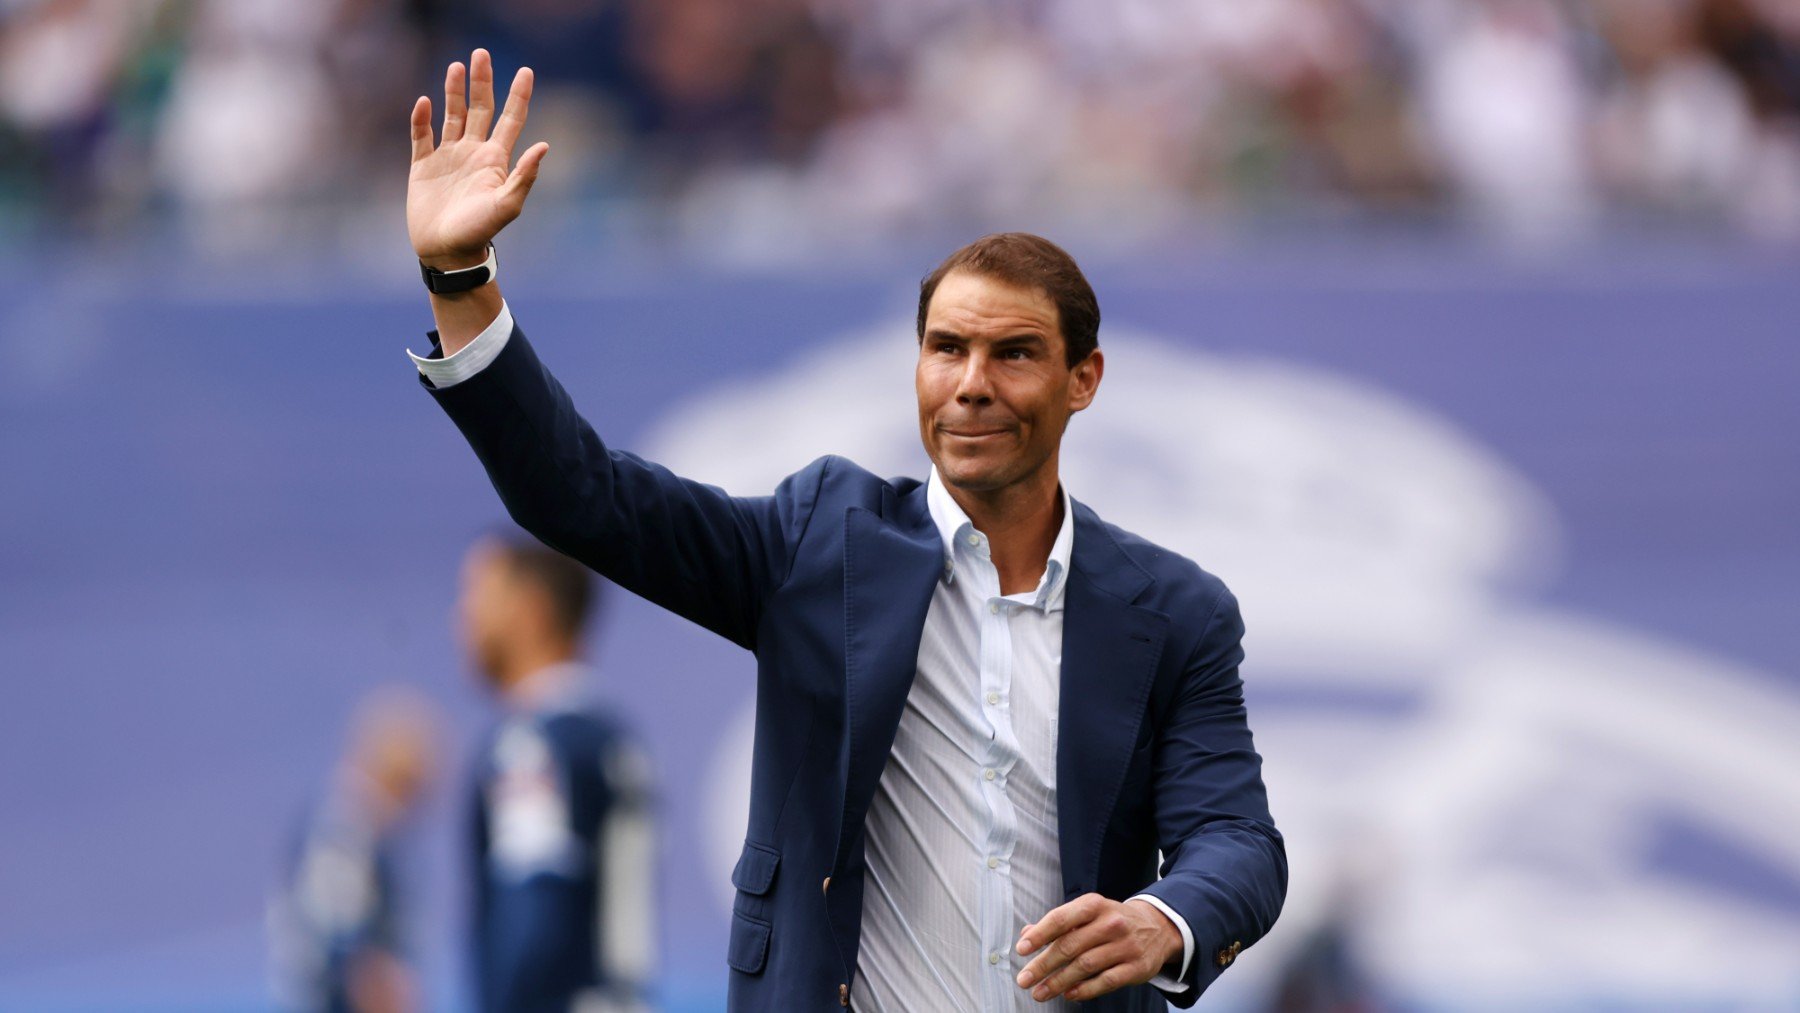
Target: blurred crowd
column 1532, row 118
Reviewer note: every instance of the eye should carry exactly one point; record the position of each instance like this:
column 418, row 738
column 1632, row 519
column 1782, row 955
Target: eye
column 1018, row 354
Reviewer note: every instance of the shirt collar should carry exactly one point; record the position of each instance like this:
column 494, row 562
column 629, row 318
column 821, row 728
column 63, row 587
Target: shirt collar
column 955, row 529
column 551, row 688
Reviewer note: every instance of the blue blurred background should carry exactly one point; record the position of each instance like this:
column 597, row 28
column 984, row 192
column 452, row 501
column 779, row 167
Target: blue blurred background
column 1499, row 297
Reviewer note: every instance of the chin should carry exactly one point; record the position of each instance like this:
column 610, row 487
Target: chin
column 973, row 474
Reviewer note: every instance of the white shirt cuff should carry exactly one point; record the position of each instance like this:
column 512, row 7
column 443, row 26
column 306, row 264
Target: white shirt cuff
column 1176, row 984
column 471, row 358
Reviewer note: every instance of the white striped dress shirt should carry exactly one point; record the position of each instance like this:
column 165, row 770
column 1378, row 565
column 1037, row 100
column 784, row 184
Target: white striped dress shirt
column 962, row 844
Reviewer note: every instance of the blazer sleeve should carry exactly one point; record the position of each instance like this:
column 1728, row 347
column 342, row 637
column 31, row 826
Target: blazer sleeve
column 689, row 547
column 1224, row 865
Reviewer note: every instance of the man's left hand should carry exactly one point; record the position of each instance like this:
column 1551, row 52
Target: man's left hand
column 1093, row 945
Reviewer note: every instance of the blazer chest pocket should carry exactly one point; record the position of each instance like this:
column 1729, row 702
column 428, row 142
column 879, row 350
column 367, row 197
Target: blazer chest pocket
column 754, row 877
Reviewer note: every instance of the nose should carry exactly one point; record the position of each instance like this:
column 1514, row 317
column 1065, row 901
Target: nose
column 973, row 386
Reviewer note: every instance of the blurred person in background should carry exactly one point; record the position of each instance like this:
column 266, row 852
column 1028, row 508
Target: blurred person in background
column 562, row 854
column 238, row 176
column 337, row 923
column 75, row 79
column 1699, row 115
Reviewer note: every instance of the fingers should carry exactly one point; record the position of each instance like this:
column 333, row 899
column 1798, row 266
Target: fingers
column 1070, row 958
column 472, row 114
column 518, row 104
column 421, row 128
column 1091, row 946
column 1061, row 919
column 454, row 107
column 1058, row 938
column 481, row 95
column 518, row 184
column 1096, row 971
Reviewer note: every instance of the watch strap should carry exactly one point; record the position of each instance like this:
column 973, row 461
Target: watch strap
column 452, row 282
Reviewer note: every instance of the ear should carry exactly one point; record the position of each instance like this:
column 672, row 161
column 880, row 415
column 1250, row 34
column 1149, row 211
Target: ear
column 1084, row 380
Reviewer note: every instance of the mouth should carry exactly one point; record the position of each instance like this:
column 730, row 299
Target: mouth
column 974, row 435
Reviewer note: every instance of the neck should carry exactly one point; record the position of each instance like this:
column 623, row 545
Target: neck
column 1020, row 521
column 528, row 660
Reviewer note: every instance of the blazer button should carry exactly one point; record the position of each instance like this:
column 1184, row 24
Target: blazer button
column 843, row 995
column 1229, row 954
column 826, row 888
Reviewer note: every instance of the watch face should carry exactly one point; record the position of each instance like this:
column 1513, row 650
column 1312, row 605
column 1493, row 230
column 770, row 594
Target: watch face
column 462, row 281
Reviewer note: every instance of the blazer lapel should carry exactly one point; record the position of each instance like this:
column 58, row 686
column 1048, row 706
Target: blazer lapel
column 1110, row 651
column 891, row 565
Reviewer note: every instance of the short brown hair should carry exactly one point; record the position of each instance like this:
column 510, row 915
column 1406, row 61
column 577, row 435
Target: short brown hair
column 1020, row 258
column 567, row 584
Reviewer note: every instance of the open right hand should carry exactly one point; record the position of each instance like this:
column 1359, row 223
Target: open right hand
column 459, row 194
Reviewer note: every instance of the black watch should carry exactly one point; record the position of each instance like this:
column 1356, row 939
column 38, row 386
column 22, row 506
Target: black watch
column 452, row 282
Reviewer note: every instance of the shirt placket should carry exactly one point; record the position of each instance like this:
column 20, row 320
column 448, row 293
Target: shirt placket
column 998, row 756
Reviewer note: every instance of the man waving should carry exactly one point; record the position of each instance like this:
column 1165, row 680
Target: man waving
column 982, row 711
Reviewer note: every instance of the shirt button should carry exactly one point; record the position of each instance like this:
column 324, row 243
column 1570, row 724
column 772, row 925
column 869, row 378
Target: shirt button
column 994, row 957
column 994, row 607
column 993, row 698
column 988, row 774
column 993, row 863
column 974, row 539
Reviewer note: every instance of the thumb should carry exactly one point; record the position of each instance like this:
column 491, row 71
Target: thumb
column 519, row 183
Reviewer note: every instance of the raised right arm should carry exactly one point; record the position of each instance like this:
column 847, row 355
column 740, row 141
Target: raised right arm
column 689, row 547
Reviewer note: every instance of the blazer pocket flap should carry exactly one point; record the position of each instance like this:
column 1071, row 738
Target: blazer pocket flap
column 755, row 869
column 749, row 944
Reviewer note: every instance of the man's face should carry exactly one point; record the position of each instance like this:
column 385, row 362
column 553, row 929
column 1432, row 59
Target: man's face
column 487, row 606
column 995, row 388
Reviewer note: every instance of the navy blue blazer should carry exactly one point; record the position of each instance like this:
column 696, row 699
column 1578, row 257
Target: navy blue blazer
column 828, row 582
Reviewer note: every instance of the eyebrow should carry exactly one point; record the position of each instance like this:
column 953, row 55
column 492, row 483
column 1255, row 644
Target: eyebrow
column 1014, row 340
column 1011, row 340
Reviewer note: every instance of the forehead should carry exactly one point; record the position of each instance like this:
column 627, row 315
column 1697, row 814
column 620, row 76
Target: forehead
column 975, row 305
